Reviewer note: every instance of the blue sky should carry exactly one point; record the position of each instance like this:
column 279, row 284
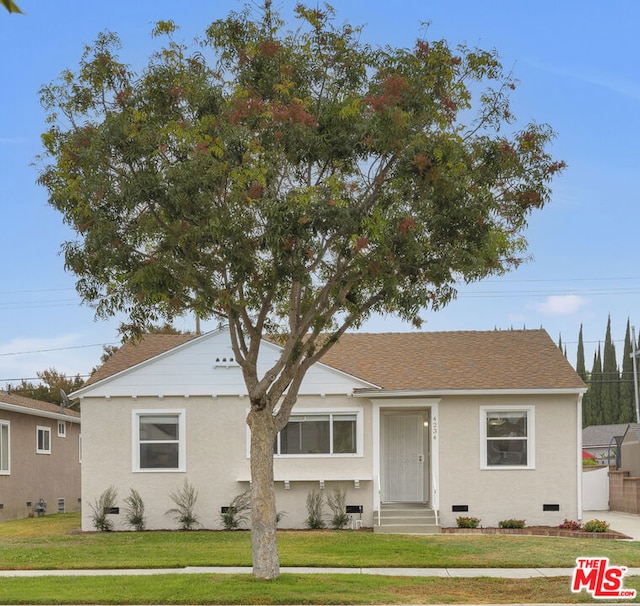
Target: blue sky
column 579, row 71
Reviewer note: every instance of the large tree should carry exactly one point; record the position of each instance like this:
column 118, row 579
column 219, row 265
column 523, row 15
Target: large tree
column 290, row 183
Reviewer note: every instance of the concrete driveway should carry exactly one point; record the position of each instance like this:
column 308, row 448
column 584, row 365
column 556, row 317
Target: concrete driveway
column 626, row 523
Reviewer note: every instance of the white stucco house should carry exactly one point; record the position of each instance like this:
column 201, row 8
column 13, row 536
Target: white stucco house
column 418, row 428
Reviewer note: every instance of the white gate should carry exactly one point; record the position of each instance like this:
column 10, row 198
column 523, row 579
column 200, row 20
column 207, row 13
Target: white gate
column 595, row 489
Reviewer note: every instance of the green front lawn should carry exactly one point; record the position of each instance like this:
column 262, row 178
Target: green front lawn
column 55, row 542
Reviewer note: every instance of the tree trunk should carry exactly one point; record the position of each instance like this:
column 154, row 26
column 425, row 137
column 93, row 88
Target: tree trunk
column 266, row 563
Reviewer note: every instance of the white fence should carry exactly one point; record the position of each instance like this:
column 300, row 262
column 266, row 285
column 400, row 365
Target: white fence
column 595, row 489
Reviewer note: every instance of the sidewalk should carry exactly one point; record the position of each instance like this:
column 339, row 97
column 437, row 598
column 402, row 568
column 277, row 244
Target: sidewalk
column 506, row 573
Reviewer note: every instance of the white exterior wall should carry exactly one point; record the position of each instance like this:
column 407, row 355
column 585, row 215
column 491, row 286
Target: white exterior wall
column 499, row 494
column 217, row 460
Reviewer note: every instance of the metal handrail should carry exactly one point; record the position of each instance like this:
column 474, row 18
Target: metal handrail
column 379, row 497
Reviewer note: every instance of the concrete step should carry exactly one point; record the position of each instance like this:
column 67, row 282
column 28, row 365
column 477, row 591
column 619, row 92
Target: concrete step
column 406, row 518
column 407, row 529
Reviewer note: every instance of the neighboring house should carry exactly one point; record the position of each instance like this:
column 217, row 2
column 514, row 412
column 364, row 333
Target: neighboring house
column 39, row 457
column 484, row 424
column 602, row 441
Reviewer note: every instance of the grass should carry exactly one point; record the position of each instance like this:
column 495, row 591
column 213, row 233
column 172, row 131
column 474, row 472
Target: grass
column 288, row 589
column 55, row 542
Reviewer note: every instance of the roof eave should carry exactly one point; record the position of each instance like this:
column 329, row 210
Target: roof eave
column 60, row 416
column 387, row 393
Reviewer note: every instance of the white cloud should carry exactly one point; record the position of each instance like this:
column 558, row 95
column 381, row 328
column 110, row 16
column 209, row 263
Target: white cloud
column 559, row 305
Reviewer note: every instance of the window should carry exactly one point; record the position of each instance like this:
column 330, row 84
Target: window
column 43, row 440
column 324, row 434
column 62, row 429
column 4, row 448
column 159, row 440
column 507, row 437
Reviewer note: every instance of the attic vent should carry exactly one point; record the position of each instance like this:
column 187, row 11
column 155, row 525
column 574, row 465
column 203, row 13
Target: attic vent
column 225, row 362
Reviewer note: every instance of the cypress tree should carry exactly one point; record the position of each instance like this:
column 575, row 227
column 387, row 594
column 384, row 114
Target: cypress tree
column 627, row 401
column 610, row 394
column 595, row 415
column 581, row 369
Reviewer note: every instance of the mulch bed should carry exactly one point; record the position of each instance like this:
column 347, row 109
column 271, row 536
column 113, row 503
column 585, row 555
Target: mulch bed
column 541, row 531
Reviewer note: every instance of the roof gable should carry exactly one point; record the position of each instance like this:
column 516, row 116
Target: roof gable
column 202, row 365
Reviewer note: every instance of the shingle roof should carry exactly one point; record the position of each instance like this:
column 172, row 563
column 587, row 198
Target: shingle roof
column 16, row 400
column 464, row 360
column 598, row 436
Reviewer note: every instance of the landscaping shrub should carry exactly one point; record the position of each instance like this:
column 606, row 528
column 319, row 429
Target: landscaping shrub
column 570, row 525
column 596, row 526
column 511, row 524
column 315, row 510
column 467, row 522
column 102, row 507
column 337, row 501
column 185, row 500
column 134, row 510
column 238, row 511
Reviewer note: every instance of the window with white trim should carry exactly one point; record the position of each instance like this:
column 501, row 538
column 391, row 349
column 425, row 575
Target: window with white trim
column 320, row 434
column 159, row 440
column 4, row 448
column 62, row 429
column 43, row 440
column 507, row 437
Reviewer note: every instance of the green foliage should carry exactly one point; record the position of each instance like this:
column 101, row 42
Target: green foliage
column 237, row 512
column 134, row 510
column 11, row 6
column 297, row 178
column 315, row 510
column 511, row 524
column 101, row 508
column 183, row 513
column 596, row 526
column 337, row 501
column 467, row 522
column 49, row 389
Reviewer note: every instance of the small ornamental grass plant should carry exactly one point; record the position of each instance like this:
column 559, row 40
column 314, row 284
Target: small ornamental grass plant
column 337, row 501
column 315, row 510
column 511, row 524
column 237, row 512
column 185, row 500
column 134, row 510
column 102, row 507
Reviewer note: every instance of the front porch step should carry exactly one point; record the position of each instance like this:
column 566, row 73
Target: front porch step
column 409, row 518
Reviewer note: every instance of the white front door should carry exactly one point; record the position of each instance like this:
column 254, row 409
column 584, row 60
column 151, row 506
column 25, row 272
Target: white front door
column 404, row 457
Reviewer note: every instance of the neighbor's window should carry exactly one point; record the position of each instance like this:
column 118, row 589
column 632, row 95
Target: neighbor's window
column 328, row 433
column 62, row 429
column 4, row 447
column 43, row 440
column 159, row 440
column 507, row 437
